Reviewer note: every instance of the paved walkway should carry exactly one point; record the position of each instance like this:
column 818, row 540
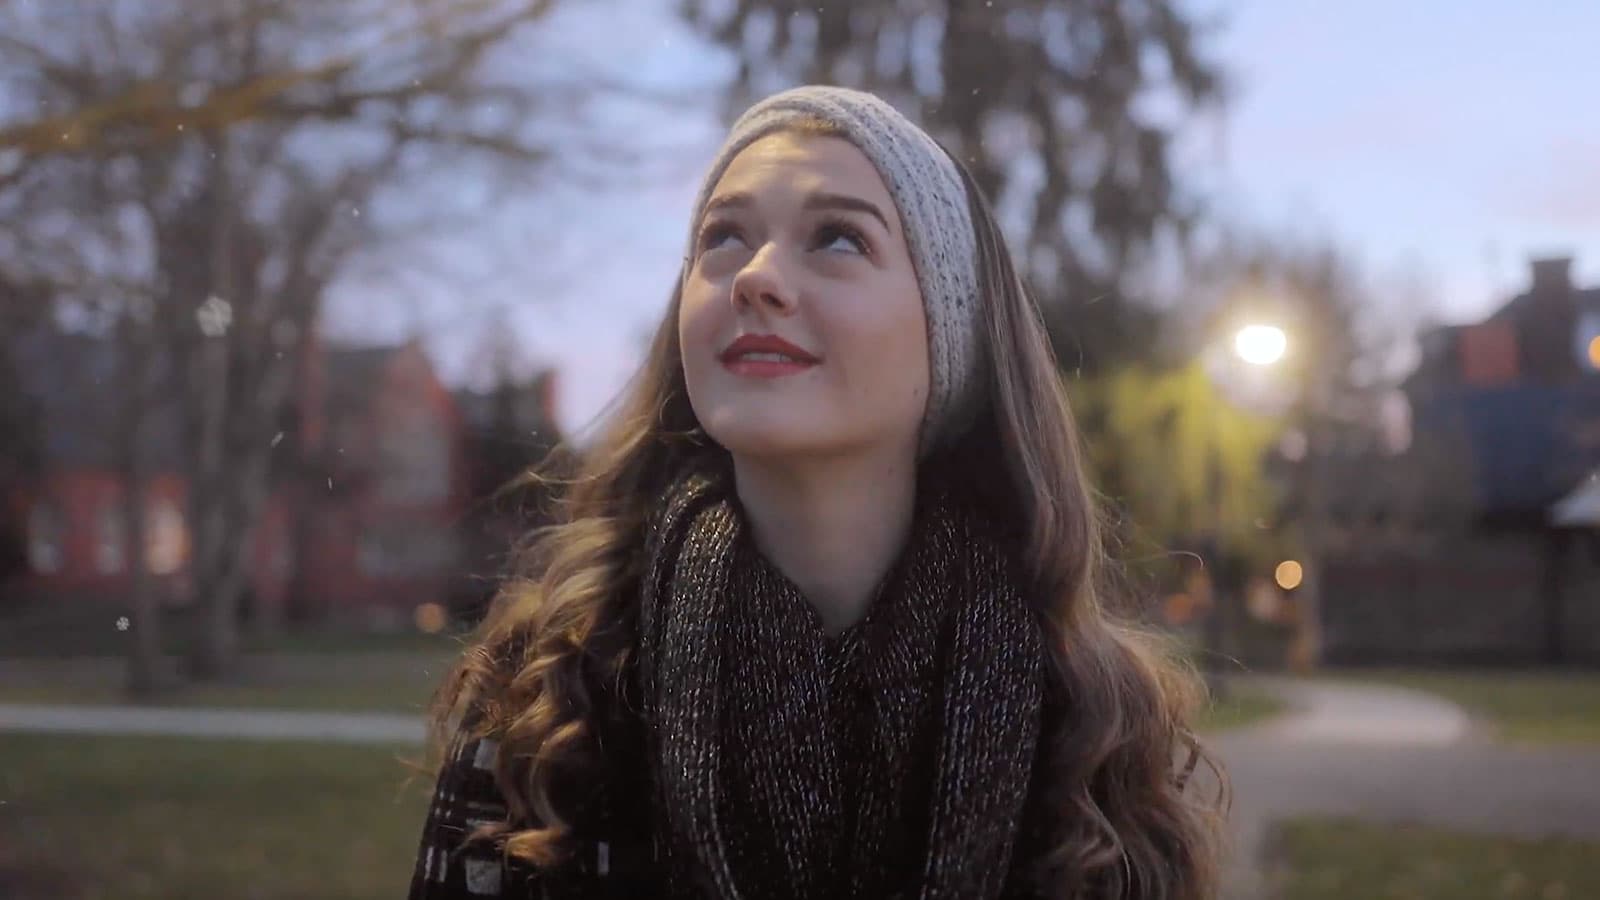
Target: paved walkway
column 349, row 728
column 1390, row 754
column 1367, row 715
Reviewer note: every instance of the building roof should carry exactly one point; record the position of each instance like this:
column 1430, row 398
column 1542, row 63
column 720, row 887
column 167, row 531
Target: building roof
column 1583, row 299
column 530, row 410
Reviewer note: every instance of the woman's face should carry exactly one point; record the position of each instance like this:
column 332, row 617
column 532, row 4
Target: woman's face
column 801, row 321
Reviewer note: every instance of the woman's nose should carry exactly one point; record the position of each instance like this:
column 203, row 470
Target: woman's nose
column 763, row 283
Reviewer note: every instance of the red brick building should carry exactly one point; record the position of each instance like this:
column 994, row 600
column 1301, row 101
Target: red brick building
column 66, row 512
column 363, row 526
column 374, row 528
column 1475, row 546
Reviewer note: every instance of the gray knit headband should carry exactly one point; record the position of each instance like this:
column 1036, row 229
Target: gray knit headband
column 932, row 201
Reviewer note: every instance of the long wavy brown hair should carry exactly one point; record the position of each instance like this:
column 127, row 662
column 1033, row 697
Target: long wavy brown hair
column 1117, row 747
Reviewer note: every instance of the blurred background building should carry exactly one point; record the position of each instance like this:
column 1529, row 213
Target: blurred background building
column 384, row 497
column 1481, row 545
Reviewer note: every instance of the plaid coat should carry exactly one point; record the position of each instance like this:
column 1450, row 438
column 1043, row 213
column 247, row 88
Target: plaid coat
column 616, row 856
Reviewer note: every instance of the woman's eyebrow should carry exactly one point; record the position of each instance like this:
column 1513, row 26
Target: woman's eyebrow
column 819, row 200
column 844, row 201
column 734, row 200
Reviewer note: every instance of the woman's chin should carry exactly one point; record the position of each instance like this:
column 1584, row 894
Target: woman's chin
column 765, row 430
column 767, row 441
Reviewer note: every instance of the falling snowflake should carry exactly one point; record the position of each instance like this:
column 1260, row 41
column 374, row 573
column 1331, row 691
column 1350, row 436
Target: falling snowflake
column 122, row 623
column 214, row 316
column 277, row 438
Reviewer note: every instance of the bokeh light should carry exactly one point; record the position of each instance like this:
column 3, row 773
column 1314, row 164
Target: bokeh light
column 430, row 618
column 1178, row 608
column 1289, row 574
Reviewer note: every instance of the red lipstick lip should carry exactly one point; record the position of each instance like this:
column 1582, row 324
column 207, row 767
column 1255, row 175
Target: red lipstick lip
column 765, row 343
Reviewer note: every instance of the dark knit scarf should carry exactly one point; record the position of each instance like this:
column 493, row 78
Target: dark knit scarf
column 890, row 760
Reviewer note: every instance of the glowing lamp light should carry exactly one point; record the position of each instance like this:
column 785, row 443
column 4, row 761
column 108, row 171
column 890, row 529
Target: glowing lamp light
column 430, row 618
column 1179, row 609
column 1289, row 575
column 1594, row 352
column 1260, row 345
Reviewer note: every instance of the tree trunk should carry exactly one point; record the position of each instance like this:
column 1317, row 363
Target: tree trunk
column 217, row 540
column 1307, row 653
column 147, row 672
column 217, row 646
column 1212, row 549
column 302, row 607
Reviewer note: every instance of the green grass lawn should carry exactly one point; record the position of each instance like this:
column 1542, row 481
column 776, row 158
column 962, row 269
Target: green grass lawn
column 177, row 818
column 57, row 630
column 368, row 681
column 1533, row 707
column 1332, row 859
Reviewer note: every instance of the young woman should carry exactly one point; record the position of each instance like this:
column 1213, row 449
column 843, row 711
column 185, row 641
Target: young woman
column 821, row 617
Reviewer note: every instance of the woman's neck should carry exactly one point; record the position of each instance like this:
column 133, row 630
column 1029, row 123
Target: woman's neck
column 834, row 528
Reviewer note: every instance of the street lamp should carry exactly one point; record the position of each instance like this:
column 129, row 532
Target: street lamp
column 1260, row 345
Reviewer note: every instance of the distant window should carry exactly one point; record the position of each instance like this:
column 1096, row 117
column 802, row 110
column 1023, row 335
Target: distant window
column 1588, row 341
column 166, row 538
column 414, row 459
column 372, row 557
column 110, row 540
column 396, row 549
column 280, row 564
column 46, row 534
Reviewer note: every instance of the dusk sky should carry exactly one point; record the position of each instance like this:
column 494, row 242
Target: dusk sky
column 1445, row 140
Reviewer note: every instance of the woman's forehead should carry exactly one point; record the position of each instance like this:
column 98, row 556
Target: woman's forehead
column 803, row 163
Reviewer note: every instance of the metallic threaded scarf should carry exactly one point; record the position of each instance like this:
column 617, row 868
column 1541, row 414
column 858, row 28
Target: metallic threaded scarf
column 890, row 760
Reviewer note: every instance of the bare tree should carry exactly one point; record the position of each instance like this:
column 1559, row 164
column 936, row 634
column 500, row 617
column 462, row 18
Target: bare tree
column 243, row 153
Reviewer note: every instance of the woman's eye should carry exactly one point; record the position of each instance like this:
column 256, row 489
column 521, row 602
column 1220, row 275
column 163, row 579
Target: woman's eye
column 841, row 237
column 717, row 236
